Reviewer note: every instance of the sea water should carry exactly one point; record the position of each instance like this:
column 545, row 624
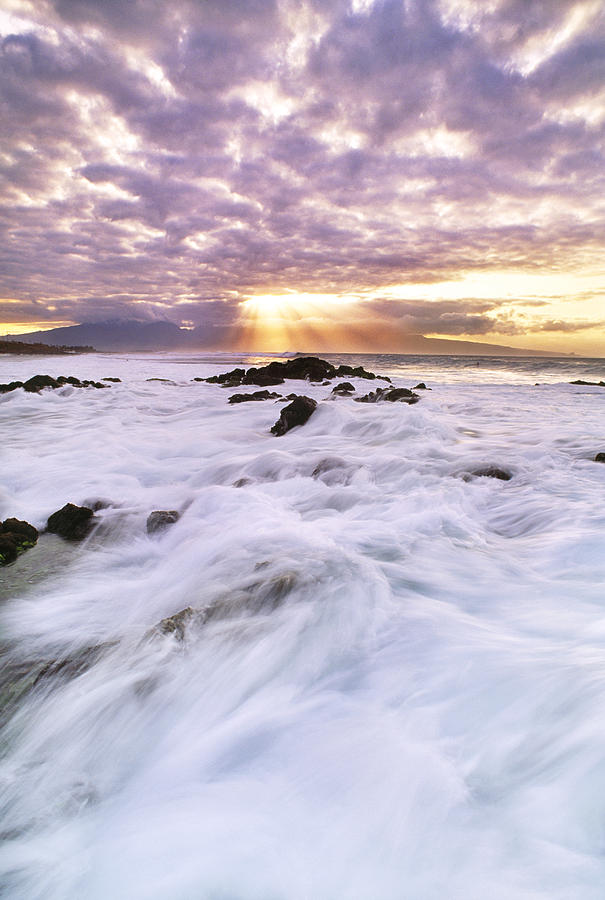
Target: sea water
column 392, row 683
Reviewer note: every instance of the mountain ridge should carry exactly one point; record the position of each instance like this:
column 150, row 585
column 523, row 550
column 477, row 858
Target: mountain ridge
column 131, row 335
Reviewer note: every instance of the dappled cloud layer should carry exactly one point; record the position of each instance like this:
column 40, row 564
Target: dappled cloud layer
column 401, row 162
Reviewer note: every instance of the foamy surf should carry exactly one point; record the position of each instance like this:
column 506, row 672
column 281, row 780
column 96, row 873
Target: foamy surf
column 392, row 680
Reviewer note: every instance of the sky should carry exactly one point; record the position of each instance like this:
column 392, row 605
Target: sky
column 276, row 171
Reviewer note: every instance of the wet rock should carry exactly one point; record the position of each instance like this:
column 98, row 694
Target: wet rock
column 11, row 386
column 391, row 395
column 345, row 387
column 8, row 549
column 177, row 623
column 115, row 380
column 163, row 380
column 311, row 368
column 15, row 537
column 296, row 413
column 492, row 472
column 71, row 522
column 266, row 376
column 242, row 482
column 421, row 386
column 255, row 395
column 160, row 519
column 37, row 382
column 591, row 383
column 600, row 457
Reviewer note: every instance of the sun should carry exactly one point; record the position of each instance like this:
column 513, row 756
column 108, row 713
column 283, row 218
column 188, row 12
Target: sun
column 288, row 321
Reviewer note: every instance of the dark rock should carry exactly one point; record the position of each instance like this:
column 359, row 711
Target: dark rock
column 296, row 413
column 15, row 537
column 591, row 383
column 391, row 395
column 311, row 368
column 160, row 519
column 358, row 372
column 421, row 386
column 11, row 386
column 115, row 380
column 8, row 549
column 163, row 380
column 21, row 529
column 492, row 472
column 37, row 382
column 71, row 522
column 232, row 378
column 345, row 387
column 256, row 395
column 600, row 457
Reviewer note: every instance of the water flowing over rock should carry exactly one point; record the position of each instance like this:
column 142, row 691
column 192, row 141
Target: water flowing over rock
column 160, row 519
column 296, row 413
column 71, row 522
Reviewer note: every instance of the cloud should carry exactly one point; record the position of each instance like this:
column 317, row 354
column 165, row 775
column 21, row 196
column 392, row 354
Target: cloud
column 162, row 157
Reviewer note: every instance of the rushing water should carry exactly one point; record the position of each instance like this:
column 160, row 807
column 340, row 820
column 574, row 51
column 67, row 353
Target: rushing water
column 392, row 686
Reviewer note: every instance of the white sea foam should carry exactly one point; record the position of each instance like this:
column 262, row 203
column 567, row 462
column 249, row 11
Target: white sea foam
column 398, row 688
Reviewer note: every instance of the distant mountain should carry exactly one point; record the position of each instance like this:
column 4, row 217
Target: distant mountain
column 418, row 344
column 118, row 334
column 129, row 335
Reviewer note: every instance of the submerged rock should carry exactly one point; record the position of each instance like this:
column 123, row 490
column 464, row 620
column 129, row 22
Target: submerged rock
column 71, row 522
column 115, row 380
column 591, row 383
column 492, row 472
column 19, row 677
column 296, row 413
column 255, row 395
column 345, row 387
column 160, row 519
column 600, row 457
column 391, row 395
column 15, row 537
column 421, row 386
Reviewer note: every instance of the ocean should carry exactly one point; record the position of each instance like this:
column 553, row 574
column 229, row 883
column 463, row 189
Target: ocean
column 391, row 681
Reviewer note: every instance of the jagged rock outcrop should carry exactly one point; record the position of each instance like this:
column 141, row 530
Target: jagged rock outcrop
column 311, row 368
column 71, row 522
column 345, row 387
column 296, row 413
